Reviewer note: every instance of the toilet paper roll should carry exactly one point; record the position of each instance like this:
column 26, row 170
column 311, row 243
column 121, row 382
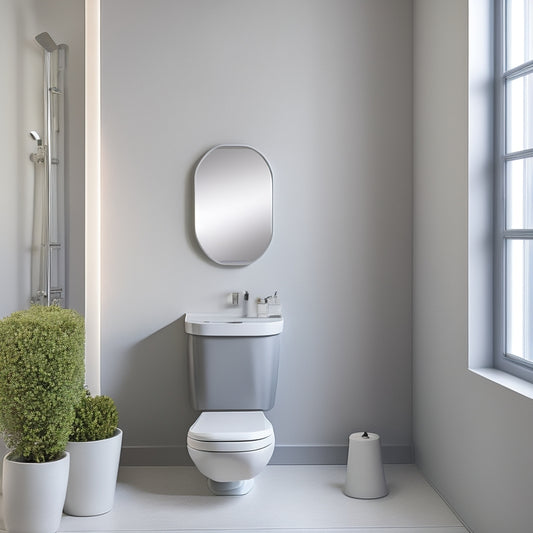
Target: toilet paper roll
column 365, row 477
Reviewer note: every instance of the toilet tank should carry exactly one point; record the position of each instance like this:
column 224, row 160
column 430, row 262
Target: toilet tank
column 233, row 362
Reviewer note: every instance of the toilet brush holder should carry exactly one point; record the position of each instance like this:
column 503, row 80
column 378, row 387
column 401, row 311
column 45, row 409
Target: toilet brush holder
column 365, row 477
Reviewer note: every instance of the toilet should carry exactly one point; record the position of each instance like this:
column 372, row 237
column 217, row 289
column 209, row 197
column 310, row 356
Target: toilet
column 233, row 371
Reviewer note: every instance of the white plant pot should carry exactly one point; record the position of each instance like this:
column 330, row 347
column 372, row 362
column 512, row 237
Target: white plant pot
column 93, row 476
column 34, row 494
column 3, row 451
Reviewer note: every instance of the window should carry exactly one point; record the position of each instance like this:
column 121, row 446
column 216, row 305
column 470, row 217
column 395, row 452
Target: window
column 514, row 187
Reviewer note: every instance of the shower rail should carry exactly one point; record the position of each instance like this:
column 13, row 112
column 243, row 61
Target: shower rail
column 48, row 247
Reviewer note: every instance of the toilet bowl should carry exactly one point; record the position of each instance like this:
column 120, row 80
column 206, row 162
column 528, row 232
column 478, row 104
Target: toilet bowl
column 230, row 448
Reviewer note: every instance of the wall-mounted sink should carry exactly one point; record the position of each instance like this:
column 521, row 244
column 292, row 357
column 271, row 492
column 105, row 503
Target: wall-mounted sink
column 222, row 325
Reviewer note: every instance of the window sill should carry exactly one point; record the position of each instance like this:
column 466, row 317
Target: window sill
column 506, row 380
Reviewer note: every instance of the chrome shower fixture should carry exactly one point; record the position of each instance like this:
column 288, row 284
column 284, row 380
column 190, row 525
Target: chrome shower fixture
column 46, row 41
column 35, row 136
column 48, row 265
column 39, row 156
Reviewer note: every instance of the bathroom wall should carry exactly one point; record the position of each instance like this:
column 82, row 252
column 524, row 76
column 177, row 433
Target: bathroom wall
column 472, row 436
column 324, row 90
column 21, row 109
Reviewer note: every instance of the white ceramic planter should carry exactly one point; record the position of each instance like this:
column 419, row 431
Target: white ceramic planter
column 34, row 495
column 93, row 476
column 3, row 451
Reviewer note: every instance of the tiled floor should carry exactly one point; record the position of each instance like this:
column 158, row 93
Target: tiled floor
column 284, row 499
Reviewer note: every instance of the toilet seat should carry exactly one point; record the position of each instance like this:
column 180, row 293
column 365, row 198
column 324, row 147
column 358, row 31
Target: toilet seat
column 232, row 446
column 231, row 431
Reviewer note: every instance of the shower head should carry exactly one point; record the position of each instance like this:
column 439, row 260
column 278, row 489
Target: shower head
column 35, row 136
column 46, row 41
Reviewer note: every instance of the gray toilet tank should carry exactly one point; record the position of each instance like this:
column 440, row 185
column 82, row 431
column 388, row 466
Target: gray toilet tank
column 233, row 364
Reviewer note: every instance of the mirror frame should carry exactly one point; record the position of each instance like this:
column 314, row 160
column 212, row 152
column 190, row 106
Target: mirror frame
column 219, row 258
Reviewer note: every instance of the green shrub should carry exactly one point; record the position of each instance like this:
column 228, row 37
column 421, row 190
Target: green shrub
column 96, row 418
column 42, row 370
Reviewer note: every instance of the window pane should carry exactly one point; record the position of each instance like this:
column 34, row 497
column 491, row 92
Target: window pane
column 519, row 298
column 519, row 113
column 519, row 32
column 519, row 194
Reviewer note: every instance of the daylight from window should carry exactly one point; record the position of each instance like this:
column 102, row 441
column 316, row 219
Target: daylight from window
column 518, row 233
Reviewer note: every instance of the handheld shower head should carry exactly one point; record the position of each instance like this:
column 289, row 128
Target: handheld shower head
column 36, row 137
column 46, row 41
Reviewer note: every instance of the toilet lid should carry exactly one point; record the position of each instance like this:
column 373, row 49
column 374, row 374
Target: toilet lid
column 230, row 426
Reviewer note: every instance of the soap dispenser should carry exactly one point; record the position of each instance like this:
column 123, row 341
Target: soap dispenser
column 246, row 305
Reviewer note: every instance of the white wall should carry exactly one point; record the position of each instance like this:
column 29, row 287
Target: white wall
column 323, row 89
column 21, row 109
column 472, row 437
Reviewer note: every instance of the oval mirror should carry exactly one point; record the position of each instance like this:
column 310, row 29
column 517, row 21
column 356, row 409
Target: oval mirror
column 233, row 204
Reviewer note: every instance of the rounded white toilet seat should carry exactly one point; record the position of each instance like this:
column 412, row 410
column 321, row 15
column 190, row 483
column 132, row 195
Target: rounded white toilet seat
column 229, row 446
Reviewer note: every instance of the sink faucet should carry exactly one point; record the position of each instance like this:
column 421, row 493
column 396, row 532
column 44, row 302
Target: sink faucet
column 236, row 300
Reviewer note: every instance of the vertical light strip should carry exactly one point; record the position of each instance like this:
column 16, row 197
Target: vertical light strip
column 92, row 195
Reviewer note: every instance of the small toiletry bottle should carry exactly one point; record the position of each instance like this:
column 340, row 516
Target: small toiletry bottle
column 246, row 305
column 262, row 308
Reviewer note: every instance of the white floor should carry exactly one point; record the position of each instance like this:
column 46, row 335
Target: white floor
column 284, row 499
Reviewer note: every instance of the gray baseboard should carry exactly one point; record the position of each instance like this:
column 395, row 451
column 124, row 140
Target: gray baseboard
column 283, row 455
column 155, row 456
column 333, row 455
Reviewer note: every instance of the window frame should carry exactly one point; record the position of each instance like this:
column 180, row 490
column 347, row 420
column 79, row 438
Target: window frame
column 502, row 361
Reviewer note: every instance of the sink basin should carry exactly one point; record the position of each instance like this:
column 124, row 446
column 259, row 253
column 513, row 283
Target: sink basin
column 221, row 325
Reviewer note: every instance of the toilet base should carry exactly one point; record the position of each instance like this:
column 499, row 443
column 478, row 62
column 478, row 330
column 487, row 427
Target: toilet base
column 230, row 488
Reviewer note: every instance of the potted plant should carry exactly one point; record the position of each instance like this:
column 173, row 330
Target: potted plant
column 94, row 446
column 42, row 370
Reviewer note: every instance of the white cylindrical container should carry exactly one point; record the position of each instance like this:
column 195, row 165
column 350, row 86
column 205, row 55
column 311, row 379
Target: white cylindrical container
column 365, row 477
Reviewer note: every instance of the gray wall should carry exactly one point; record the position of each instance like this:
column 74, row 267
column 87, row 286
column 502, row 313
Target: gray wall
column 472, row 437
column 323, row 89
column 21, row 109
